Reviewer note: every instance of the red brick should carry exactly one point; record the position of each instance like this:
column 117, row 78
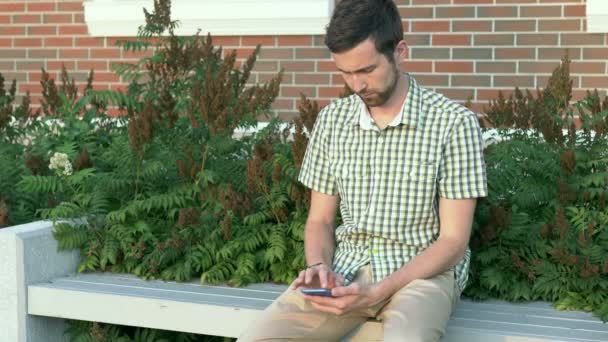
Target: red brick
column 96, row 65
column 73, row 30
column 537, row 67
column 458, row 2
column 454, row 67
column 417, row 66
column 471, row 81
column 408, row 13
column 291, row 66
column 28, row 42
column 285, row 80
column 290, row 91
column 26, row 19
column 451, row 39
column 559, row 53
column 105, row 53
column 513, row 81
column 42, row 53
column 427, row 80
column 471, row 26
column 5, row 19
column 106, row 77
column 283, row 104
column 496, row 67
column 73, row 53
column 455, row 12
column 492, row 94
column 70, row 6
column 57, row 18
column 497, row 11
column 314, row 79
column 312, row 53
column 89, row 42
column 582, row 38
column 12, row 53
column 326, row 66
column 41, row 30
column 294, row 41
column 59, row 41
column 59, row 65
column 6, row 42
column 12, row 7
column 266, row 66
column 337, row 79
column 515, row 25
column 255, row 40
column 494, row 39
column 514, row 53
column 22, row 65
column 12, row 31
column 117, row 87
column 17, row 76
column 537, row 39
column 540, row 11
column 31, row 87
column 588, row 67
column 431, row 26
column 278, row 53
column 226, row 41
column 417, row 39
column 41, row 7
column 430, row 2
column 595, row 53
column 542, row 81
column 78, row 18
column 137, row 54
column 559, row 25
column 332, row 92
column 457, row 94
column 575, row 11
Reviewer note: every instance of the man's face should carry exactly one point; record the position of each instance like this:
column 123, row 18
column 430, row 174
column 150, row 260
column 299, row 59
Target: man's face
column 368, row 73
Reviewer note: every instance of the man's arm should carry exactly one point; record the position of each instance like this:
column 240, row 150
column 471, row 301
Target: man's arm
column 319, row 241
column 456, row 217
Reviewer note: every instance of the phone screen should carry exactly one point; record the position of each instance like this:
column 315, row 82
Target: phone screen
column 316, row 292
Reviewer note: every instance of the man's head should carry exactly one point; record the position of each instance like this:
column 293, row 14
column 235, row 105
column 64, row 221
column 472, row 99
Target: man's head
column 354, row 21
column 365, row 38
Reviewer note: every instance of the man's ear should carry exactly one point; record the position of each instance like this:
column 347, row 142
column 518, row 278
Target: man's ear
column 401, row 52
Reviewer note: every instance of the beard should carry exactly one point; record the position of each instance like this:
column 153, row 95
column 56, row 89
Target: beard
column 375, row 98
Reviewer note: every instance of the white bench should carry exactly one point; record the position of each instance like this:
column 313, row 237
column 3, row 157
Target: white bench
column 226, row 311
column 43, row 300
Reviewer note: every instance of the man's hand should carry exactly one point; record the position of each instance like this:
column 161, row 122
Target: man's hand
column 318, row 276
column 347, row 298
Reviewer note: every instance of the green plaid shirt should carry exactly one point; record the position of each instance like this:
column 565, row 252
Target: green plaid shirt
column 389, row 181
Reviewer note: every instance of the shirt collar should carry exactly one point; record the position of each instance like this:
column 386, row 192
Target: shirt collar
column 408, row 115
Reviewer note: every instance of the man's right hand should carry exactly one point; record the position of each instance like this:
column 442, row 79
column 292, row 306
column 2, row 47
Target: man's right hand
column 318, row 276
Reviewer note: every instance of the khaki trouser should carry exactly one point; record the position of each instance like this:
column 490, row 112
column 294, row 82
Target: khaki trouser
column 418, row 312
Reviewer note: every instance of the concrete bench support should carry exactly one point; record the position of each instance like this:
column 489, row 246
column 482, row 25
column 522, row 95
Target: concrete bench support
column 28, row 255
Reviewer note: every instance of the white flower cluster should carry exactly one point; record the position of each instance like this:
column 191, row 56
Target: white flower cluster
column 61, row 164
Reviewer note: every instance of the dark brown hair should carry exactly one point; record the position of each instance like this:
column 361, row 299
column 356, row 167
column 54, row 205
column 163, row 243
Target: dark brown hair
column 353, row 21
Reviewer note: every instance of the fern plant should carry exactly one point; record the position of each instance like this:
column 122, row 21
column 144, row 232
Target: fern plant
column 542, row 232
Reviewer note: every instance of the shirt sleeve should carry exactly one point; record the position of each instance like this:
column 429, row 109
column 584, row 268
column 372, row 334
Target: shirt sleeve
column 462, row 171
column 315, row 173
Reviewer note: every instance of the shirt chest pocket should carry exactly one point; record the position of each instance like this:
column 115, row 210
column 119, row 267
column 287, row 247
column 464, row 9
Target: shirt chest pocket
column 415, row 184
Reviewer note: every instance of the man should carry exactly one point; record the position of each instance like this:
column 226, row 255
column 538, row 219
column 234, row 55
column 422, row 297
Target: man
column 405, row 166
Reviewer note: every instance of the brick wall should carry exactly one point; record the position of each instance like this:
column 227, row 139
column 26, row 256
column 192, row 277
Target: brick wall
column 462, row 48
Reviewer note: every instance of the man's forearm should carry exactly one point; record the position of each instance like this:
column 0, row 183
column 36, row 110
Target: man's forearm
column 439, row 257
column 319, row 243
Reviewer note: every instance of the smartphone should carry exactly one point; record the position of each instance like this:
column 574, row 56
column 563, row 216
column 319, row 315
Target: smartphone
column 316, row 292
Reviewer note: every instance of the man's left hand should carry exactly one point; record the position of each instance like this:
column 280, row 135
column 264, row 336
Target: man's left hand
column 346, row 299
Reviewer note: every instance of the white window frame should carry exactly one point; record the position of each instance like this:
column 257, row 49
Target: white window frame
column 121, row 18
column 597, row 16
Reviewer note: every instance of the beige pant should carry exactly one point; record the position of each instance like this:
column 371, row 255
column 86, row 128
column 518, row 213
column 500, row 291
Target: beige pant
column 418, row 312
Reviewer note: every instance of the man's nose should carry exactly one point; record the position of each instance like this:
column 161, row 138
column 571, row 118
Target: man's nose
column 359, row 83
